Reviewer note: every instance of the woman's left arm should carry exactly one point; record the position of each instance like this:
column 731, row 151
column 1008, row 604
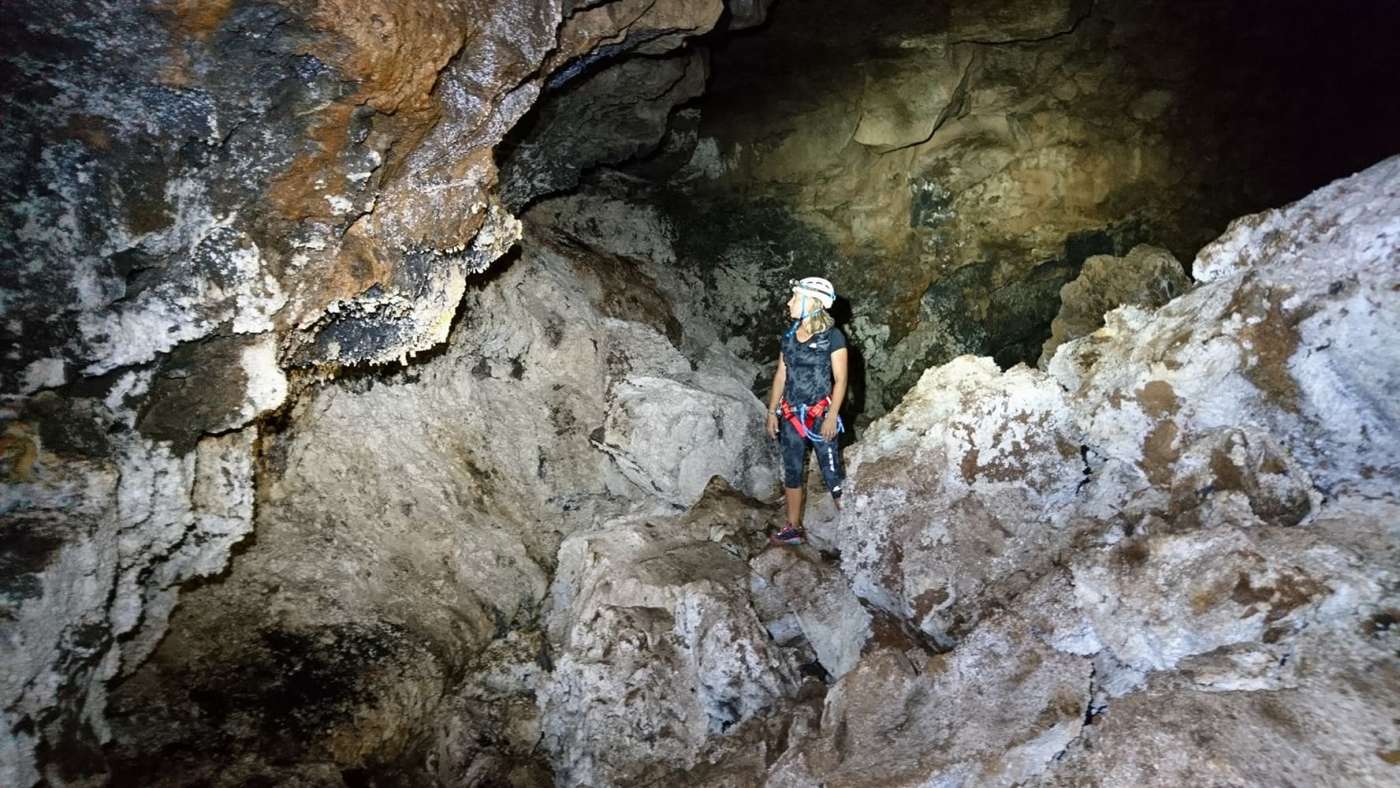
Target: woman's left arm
column 838, row 393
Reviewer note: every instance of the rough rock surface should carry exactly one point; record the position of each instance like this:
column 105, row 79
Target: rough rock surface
column 951, row 165
column 608, row 118
column 964, row 496
column 1229, row 532
column 444, row 531
column 657, row 648
column 214, row 209
column 1147, row 276
column 1146, row 565
column 199, row 198
column 903, row 716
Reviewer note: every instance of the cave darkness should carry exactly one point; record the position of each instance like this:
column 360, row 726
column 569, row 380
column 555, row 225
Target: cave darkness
column 383, row 394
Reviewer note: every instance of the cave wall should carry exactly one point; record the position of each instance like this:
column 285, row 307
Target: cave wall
column 386, row 619
column 209, row 207
column 951, row 165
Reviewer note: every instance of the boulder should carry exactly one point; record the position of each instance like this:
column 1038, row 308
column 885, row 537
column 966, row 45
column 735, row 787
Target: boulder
column 904, row 716
column 960, row 497
column 1147, row 276
column 657, row 649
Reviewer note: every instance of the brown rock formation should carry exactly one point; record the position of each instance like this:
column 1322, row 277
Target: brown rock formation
column 1147, row 276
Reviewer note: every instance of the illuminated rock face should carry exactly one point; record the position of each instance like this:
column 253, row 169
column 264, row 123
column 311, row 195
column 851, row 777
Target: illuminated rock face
column 952, row 165
column 202, row 200
column 257, row 287
column 1183, row 498
column 1167, row 559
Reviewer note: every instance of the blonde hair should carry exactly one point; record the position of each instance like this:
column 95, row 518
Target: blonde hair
column 818, row 321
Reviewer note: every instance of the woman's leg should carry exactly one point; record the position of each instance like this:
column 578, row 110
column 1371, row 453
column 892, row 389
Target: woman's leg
column 794, row 505
column 829, row 460
column 794, row 452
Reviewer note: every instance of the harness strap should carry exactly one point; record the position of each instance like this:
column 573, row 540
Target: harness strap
column 805, row 417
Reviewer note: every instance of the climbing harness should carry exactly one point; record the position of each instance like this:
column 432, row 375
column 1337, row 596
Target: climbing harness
column 804, row 418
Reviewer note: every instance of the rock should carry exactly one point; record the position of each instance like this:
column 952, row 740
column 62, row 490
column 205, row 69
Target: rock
column 1279, row 347
column 657, row 649
column 1228, row 548
column 441, row 539
column 610, row 117
column 1147, row 277
column 96, row 550
column 594, row 31
column 223, row 216
column 960, row 497
column 1311, row 707
column 1159, row 599
column 671, row 436
column 998, row 146
column 1004, row 21
column 825, row 612
column 203, row 198
column 902, row 106
column 905, row 717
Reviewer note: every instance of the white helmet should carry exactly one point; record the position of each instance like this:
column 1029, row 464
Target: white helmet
column 817, row 288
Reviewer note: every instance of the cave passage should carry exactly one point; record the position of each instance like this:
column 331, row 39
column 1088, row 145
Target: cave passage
column 385, row 393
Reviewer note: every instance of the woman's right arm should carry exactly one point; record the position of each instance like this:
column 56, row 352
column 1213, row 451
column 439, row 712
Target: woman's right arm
column 775, row 396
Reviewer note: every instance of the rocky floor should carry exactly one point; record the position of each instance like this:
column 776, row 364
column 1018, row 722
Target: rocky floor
column 1169, row 560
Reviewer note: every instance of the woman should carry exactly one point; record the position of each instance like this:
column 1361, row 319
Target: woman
column 808, row 390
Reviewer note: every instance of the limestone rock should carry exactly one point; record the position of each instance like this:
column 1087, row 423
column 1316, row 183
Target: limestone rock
column 1147, row 276
column 199, row 197
column 443, row 530
column 1292, row 346
column 1311, row 704
column 1228, row 539
column 595, row 30
column 901, row 105
column 960, row 496
column 1002, row 21
column 823, row 610
column 906, row 717
column 657, row 649
column 97, row 546
column 613, row 115
column 672, row 435
column 1038, row 135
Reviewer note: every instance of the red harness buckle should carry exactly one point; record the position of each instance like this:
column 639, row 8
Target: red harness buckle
column 814, row 412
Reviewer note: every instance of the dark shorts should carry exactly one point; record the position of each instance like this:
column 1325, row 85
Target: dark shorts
column 794, row 451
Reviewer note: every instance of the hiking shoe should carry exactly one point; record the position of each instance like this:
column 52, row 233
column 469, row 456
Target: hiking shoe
column 790, row 535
